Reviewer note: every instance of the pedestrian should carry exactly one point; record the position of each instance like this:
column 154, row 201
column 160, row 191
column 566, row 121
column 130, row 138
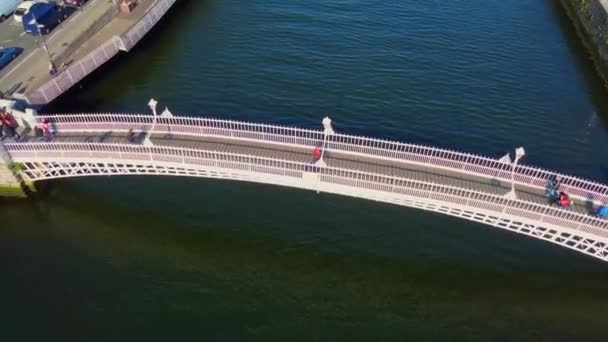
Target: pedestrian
column 52, row 69
column 602, row 211
column 39, row 133
column 554, row 182
column 12, row 125
column 552, row 192
column 564, row 200
column 317, row 153
column 48, row 135
column 2, row 123
column 131, row 136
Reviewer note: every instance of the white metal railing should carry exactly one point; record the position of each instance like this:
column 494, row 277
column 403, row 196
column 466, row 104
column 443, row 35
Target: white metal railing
column 423, row 155
column 130, row 153
column 83, row 67
column 74, row 73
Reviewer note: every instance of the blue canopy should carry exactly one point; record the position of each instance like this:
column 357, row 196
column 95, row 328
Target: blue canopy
column 602, row 211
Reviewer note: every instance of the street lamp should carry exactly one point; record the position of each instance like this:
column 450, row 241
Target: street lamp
column 44, row 46
column 519, row 153
column 152, row 104
column 327, row 131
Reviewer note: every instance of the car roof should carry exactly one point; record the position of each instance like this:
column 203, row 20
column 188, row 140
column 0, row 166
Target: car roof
column 39, row 10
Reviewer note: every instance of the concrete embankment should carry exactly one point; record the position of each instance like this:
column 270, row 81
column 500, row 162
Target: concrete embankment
column 10, row 183
column 590, row 18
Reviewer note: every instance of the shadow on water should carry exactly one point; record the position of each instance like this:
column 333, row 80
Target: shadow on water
column 127, row 69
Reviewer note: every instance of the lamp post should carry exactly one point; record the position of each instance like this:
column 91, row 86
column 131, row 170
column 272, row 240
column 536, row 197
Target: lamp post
column 327, row 131
column 152, row 104
column 167, row 115
column 519, row 153
column 34, row 21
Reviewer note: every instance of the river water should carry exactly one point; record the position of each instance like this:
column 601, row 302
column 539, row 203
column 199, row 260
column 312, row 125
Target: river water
column 154, row 257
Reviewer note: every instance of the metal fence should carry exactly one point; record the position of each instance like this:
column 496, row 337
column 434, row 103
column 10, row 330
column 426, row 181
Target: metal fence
column 133, row 154
column 74, row 73
column 411, row 153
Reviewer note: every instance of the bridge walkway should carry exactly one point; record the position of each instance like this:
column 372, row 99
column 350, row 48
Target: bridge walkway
column 370, row 164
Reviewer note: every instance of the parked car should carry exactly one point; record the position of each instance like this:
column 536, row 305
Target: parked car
column 7, row 7
column 24, row 7
column 7, row 54
column 42, row 18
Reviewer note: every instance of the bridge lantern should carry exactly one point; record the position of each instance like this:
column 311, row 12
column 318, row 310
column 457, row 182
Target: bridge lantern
column 152, row 104
column 519, row 153
column 327, row 129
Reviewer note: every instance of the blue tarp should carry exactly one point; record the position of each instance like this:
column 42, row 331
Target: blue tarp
column 602, row 211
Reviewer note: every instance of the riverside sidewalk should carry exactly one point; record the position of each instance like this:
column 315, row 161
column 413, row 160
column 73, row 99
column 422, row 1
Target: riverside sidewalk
column 119, row 25
column 33, row 70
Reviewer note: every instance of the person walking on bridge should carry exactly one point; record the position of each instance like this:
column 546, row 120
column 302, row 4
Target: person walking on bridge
column 46, row 130
column 317, row 153
column 553, row 188
column 131, row 135
column 564, row 200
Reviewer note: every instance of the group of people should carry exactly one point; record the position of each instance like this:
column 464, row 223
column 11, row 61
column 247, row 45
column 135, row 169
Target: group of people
column 8, row 125
column 555, row 195
column 563, row 200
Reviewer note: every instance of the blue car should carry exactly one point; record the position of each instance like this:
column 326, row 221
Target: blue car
column 7, row 54
column 43, row 17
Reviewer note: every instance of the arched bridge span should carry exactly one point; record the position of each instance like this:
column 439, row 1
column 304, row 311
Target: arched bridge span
column 448, row 182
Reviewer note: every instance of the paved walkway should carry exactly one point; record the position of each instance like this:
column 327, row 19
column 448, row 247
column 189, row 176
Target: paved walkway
column 371, row 164
column 119, row 25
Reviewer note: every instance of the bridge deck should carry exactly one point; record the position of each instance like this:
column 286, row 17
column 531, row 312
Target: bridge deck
column 347, row 161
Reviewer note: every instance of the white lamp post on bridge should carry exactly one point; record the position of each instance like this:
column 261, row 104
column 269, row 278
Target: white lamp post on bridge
column 152, row 104
column 519, row 153
column 327, row 131
column 165, row 114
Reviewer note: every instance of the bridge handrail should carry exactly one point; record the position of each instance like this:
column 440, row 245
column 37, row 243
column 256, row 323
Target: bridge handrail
column 459, row 161
column 359, row 179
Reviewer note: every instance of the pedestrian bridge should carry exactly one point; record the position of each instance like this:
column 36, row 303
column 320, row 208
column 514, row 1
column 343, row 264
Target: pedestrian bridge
column 459, row 184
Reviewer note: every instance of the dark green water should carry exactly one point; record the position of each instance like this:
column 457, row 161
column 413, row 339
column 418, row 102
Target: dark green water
column 168, row 258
